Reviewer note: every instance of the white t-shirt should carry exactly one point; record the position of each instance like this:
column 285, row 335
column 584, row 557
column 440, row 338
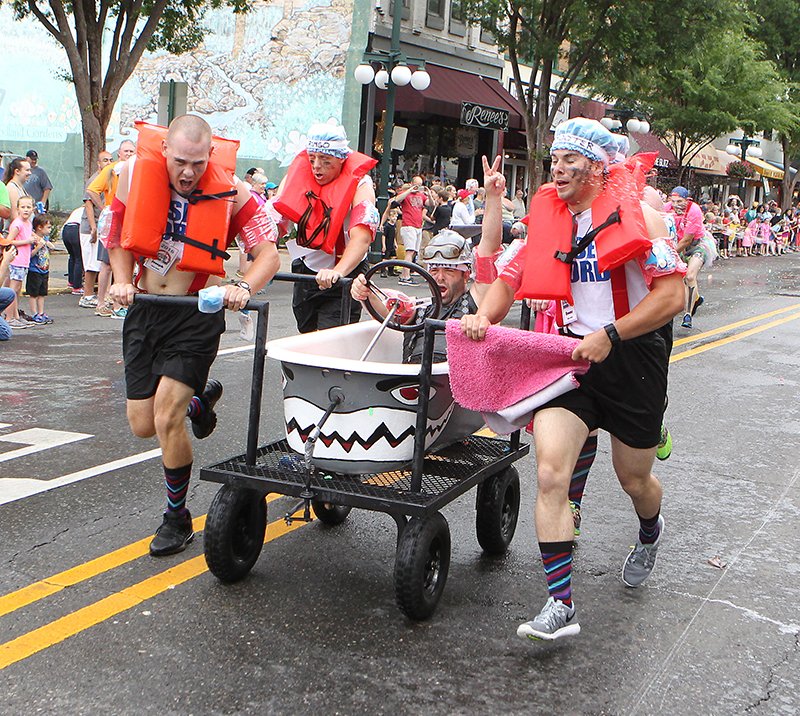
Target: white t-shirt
column 591, row 290
column 460, row 215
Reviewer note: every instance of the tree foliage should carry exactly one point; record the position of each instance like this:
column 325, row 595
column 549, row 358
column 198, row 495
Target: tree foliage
column 104, row 41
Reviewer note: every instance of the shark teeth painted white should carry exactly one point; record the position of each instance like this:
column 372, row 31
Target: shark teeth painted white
column 378, row 434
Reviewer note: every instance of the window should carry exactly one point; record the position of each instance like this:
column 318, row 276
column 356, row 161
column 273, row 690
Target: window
column 406, row 9
column 458, row 25
column 434, row 16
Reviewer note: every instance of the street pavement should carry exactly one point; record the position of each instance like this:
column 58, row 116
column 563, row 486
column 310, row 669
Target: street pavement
column 90, row 624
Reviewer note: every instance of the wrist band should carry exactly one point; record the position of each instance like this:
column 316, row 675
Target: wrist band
column 613, row 336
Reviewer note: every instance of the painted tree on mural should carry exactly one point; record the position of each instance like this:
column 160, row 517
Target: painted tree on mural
column 584, row 43
column 105, row 39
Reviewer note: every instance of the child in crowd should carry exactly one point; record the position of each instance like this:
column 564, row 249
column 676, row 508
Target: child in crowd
column 713, row 225
column 764, row 235
column 39, row 268
column 749, row 239
column 20, row 235
column 389, row 236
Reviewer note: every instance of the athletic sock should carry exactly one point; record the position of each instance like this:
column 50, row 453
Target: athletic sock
column 177, row 482
column 196, row 407
column 557, row 562
column 648, row 528
column 577, row 483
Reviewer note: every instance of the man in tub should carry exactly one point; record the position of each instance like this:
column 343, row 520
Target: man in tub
column 623, row 392
column 449, row 260
column 168, row 350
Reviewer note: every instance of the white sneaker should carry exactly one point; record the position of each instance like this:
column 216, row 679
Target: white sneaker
column 554, row 621
column 88, row 302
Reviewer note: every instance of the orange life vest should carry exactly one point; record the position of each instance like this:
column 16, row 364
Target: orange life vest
column 618, row 220
column 320, row 211
column 210, row 204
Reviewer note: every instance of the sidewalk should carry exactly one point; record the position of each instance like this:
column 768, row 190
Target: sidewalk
column 59, row 258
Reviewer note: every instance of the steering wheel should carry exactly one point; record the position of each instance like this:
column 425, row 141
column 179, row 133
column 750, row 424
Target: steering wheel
column 436, row 296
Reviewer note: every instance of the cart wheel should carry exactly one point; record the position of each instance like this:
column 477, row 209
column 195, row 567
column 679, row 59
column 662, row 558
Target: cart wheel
column 498, row 511
column 421, row 564
column 330, row 514
column 234, row 533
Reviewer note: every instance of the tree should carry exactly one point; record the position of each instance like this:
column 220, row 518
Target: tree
column 134, row 26
column 569, row 43
column 776, row 28
column 723, row 82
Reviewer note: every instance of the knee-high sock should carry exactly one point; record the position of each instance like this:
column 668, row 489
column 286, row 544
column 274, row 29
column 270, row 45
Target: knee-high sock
column 177, row 482
column 557, row 562
column 577, row 483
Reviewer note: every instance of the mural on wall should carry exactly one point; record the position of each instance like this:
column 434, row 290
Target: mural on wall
column 261, row 78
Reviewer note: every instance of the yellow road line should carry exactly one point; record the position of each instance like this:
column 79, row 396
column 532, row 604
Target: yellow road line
column 71, row 624
column 70, row 577
column 732, row 326
column 731, row 339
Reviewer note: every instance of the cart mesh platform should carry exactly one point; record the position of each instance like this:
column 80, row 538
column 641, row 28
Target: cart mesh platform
column 445, row 475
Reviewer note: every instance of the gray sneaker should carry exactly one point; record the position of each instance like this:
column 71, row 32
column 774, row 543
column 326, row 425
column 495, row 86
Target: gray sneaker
column 554, row 621
column 641, row 559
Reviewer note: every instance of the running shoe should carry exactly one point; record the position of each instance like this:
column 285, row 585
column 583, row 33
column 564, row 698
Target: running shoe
column 38, row 318
column 664, row 449
column 687, row 320
column 408, row 281
column 575, row 508
column 88, row 302
column 77, row 292
column 204, row 424
column 174, row 534
column 119, row 314
column 47, row 318
column 641, row 559
column 554, row 621
column 699, row 301
column 104, row 311
column 19, row 324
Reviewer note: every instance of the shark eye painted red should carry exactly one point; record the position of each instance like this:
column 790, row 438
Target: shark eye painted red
column 409, row 394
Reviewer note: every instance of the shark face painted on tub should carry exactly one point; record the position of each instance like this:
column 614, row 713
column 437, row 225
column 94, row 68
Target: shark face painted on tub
column 372, row 429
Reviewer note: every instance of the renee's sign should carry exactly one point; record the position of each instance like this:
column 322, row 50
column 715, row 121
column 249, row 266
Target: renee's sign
column 478, row 115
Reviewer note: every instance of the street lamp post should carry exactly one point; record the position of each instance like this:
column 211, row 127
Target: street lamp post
column 627, row 118
column 749, row 148
column 394, row 72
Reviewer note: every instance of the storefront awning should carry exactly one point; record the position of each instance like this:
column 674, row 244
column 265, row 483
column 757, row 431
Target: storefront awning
column 765, row 169
column 710, row 160
column 448, row 89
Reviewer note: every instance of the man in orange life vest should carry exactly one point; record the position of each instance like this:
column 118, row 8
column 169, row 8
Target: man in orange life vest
column 168, row 351
column 623, row 391
column 328, row 194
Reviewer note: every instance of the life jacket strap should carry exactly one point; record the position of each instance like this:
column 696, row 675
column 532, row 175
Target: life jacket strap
column 322, row 228
column 212, row 248
column 197, row 196
column 568, row 257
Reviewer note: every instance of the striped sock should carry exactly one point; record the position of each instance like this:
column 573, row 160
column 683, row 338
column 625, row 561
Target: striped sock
column 177, row 482
column 557, row 562
column 577, row 483
column 648, row 528
column 196, row 407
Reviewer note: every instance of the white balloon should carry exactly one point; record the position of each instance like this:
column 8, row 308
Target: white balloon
column 381, row 79
column 364, row 74
column 420, row 80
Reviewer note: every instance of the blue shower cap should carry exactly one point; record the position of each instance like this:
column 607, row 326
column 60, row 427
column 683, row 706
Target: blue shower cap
column 623, row 146
column 586, row 136
column 328, row 139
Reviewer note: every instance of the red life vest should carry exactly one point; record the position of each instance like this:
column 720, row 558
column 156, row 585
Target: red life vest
column 320, row 211
column 210, row 204
column 619, row 237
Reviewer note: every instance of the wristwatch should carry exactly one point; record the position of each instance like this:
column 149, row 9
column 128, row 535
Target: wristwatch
column 613, row 336
column 244, row 285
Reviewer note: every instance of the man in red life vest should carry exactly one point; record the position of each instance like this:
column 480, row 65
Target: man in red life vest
column 328, row 194
column 623, row 391
column 168, row 352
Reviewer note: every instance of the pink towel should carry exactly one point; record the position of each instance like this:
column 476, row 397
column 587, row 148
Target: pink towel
column 507, row 367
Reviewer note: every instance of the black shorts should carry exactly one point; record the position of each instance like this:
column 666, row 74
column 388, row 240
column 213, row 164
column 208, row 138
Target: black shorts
column 314, row 309
column 624, row 394
column 36, row 284
column 178, row 342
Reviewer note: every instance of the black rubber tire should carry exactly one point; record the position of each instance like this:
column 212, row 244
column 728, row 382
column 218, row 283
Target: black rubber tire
column 498, row 511
column 330, row 514
column 436, row 295
column 234, row 532
column 421, row 565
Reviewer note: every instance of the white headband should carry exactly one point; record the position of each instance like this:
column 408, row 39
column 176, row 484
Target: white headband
column 335, row 147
